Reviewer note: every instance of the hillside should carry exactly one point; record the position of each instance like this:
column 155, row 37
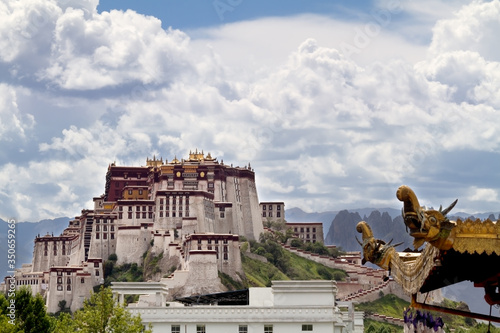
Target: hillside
column 390, row 305
column 271, row 262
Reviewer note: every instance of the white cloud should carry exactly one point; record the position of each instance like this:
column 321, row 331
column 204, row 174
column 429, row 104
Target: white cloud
column 114, row 48
column 26, row 30
column 13, row 124
column 274, row 186
column 474, row 28
column 483, row 194
column 263, row 44
column 323, row 130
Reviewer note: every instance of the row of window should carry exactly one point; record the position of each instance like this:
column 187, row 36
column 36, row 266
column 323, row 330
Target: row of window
column 302, row 229
column 137, row 208
column 174, row 200
column 137, row 215
column 68, row 283
column 209, row 241
column 99, row 220
column 270, row 214
column 241, row 328
column 174, row 214
column 104, row 235
column 271, row 207
column 125, row 176
column 28, row 282
column 104, row 228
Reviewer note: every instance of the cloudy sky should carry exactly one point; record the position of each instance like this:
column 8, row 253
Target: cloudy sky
column 334, row 104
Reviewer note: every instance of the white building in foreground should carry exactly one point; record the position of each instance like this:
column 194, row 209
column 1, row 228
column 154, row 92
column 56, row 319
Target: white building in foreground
column 286, row 307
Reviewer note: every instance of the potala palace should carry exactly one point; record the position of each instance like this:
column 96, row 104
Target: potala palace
column 193, row 211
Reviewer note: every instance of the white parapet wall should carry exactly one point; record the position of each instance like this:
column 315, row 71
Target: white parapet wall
column 288, row 306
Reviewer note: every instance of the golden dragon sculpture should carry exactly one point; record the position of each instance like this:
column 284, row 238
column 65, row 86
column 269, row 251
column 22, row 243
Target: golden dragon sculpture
column 472, row 243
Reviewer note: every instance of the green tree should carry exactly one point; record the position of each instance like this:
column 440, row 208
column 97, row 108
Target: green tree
column 65, row 323
column 102, row 314
column 31, row 315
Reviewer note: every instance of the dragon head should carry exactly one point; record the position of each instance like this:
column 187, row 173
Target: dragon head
column 425, row 224
column 374, row 250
